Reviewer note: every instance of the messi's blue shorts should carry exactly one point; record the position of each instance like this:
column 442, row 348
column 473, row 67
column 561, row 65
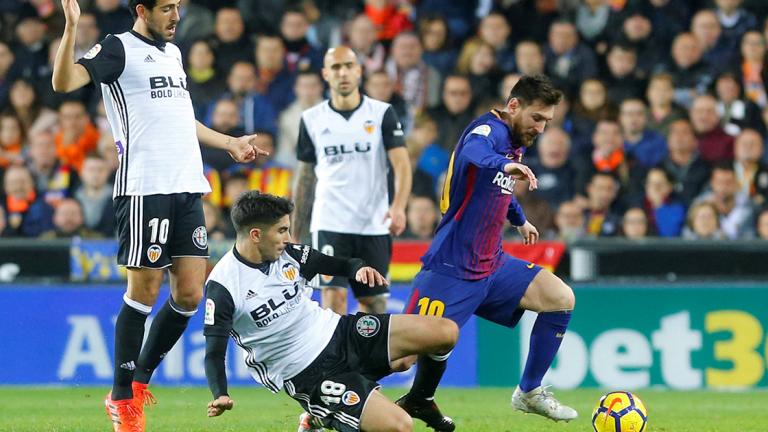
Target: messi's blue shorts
column 495, row 298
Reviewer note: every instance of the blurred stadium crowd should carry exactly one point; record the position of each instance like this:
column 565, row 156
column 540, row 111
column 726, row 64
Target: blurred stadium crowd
column 662, row 132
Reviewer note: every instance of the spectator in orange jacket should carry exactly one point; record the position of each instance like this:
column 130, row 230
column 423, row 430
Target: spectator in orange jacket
column 77, row 136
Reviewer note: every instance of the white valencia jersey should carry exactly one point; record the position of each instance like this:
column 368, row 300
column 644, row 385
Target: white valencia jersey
column 349, row 150
column 144, row 88
column 268, row 311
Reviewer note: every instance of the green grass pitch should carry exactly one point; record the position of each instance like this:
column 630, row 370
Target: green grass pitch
column 257, row 410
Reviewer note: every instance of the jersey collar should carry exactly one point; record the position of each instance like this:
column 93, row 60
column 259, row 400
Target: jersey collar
column 262, row 266
column 159, row 44
column 347, row 113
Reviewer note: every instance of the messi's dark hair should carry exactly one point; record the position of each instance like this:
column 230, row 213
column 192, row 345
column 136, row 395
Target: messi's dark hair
column 253, row 208
column 149, row 4
column 532, row 88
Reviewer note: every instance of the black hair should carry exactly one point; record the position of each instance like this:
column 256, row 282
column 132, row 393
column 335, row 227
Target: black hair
column 253, row 208
column 149, row 4
column 609, row 175
column 723, row 165
column 532, row 88
column 309, row 72
column 624, row 46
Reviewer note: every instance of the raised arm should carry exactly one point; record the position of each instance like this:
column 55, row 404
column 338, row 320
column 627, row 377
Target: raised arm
column 68, row 75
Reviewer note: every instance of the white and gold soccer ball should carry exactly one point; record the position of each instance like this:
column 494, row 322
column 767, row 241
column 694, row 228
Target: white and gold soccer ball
column 620, row 412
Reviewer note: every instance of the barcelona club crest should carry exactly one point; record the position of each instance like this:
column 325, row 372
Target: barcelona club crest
column 153, row 253
column 368, row 326
column 290, row 271
column 369, row 126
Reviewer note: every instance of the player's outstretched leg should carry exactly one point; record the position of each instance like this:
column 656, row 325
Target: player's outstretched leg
column 419, row 402
column 554, row 301
column 381, row 415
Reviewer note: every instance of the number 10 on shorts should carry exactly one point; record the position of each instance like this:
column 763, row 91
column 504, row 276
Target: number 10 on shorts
column 164, row 225
column 431, row 307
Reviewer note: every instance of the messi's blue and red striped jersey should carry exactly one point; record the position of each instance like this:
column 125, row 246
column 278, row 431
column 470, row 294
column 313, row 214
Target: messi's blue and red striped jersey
column 477, row 199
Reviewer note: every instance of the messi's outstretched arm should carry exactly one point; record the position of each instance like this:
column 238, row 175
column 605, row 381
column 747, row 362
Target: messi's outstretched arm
column 480, row 152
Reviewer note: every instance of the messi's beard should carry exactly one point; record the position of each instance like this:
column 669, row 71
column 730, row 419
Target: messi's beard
column 521, row 137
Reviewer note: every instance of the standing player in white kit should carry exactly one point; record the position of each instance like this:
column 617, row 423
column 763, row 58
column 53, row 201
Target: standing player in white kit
column 158, row 186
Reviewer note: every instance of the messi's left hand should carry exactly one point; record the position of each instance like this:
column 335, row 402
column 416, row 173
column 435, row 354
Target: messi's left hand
column 529, row 232
column 369, row 276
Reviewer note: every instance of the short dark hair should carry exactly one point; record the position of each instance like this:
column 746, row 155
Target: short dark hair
column 253, row 208
column 533, row 88
column 624, row 46
column 723, row 165
column 149, row 4
column 310, row 73
column 665, row 172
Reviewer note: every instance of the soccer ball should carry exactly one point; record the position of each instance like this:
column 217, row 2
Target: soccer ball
column 620, row 412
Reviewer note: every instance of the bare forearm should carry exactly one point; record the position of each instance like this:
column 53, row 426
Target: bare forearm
column 304, row 198
column 212, row 138
column 401, row 165
column 63, row 78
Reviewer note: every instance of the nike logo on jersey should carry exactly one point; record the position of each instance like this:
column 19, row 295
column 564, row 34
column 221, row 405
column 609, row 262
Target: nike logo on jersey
column 505, row 182
column 149, row 59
